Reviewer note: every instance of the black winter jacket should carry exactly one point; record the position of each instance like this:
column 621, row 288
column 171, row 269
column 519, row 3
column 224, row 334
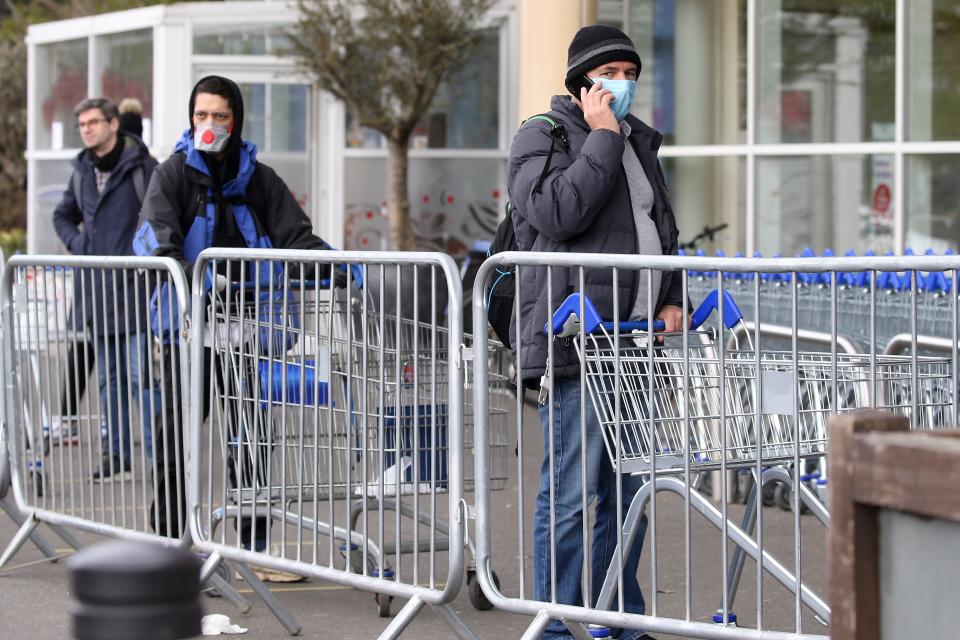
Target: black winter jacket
column 583, row 207
column 173, row 202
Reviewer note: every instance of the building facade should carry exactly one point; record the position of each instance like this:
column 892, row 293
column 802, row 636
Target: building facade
column 828, row 124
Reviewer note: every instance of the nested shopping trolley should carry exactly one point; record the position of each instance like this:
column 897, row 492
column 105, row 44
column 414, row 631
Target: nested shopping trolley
column 334, row 436
column 676, row 403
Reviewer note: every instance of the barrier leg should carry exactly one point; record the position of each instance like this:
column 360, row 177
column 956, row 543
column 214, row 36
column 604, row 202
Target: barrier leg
column 209, row 576
column 18, row 517
column 210, row 566
column 402, row 619
column 537, row 627
column 228, row 592
column 72, row 541
column 280, row 612
column 23, row 533
column 454, row 622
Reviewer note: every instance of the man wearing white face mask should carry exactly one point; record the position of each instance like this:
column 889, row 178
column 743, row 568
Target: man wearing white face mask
column 585, row 178
column 212, row 192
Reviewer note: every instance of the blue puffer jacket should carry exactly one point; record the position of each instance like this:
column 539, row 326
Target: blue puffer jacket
column 103, row 224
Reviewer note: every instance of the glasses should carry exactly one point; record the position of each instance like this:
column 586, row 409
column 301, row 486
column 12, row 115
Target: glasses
column 92, row 122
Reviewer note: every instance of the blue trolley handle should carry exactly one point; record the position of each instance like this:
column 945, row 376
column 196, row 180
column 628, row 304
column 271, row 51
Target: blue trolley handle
column 731, row 312
column 592, row 322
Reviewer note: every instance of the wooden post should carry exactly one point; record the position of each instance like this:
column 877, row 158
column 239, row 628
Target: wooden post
column 854, row 578
column 878, row 466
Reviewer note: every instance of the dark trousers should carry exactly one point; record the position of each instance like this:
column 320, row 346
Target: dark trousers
column 79, row 364
column 168, row 519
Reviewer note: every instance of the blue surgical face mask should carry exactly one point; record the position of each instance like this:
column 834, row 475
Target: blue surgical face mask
column 623, row 92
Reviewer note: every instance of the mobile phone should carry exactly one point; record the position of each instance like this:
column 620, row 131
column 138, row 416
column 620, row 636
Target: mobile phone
column 580, row 82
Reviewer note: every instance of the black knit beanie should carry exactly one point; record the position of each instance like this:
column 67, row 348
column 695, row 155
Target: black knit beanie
column 597, row 45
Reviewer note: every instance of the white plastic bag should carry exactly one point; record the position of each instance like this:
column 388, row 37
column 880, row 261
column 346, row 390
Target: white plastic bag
column 216, row 624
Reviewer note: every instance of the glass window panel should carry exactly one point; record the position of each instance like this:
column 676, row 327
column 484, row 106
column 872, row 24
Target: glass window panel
column 288, row 117
column 61, row 70
column 255, row 113
column 824, row 202
column 294, row 169
column 693, row 76
column 465, row 112
column 454, row 202
column 282, row 143
column 826, row 71
column 240, row 40
column 933, row 202
column 933, row 76
column 706, row 193
column 52, row 178
column 125, row 70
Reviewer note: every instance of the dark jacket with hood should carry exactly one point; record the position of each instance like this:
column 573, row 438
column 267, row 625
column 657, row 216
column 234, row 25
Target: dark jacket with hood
column 103, row 224
column 195, row 201
column 583, row 207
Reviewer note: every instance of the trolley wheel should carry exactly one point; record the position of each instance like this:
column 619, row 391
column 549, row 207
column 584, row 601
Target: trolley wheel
column 354, row 556
column 706, row 483
column 383, row 604
column 38, row 480
column 781, row 496
column 769, row 494
column 477, row 597
column 785, row 500
column 223, row 570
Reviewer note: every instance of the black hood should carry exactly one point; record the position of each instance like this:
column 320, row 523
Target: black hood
column 235, row 101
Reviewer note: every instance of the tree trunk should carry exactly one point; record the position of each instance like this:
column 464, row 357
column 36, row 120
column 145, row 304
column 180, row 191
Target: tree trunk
column 398, row 199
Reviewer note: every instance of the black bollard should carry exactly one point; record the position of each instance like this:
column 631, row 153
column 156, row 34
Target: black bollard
column 135, row 591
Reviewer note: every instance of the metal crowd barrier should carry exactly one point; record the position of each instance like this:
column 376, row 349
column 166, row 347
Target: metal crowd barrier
column 668, row 410
column 8, row 505
column 87, row 461
column 336, row 404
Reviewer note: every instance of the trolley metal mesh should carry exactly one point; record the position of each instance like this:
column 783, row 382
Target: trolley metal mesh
column 665, row 402
column 321, row 396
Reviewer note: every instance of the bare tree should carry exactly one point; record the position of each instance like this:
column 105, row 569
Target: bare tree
column 385, row 60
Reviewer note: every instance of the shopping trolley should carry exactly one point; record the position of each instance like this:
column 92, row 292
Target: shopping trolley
column 672, row 403
column 332, row 412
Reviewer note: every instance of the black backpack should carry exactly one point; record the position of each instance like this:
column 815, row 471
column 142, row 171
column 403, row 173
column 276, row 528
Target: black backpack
column 500, row 294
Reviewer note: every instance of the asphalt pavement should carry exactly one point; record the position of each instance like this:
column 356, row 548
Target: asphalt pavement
column 35, row 596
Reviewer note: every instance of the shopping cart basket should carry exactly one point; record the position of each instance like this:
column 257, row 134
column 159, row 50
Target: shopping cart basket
column 323, row 398
column 636, row 381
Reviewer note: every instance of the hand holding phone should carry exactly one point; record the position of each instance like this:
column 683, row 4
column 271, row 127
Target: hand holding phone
column 595, row 102
column 580, row 82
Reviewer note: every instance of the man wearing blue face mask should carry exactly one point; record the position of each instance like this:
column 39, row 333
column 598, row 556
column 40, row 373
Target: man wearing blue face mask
column 585, row 178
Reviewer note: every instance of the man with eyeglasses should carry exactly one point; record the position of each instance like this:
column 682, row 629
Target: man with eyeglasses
column 97, row 216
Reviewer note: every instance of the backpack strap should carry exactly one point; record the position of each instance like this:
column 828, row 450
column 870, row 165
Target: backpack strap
column 76, row 182
column 558, row 133
column 139, row 182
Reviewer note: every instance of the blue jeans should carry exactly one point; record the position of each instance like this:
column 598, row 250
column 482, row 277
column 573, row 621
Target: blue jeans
column 602, row 488
column 121, row 362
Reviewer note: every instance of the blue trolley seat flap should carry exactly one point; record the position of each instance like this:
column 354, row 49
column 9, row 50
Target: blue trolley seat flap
column 398, row 441
column 271, row 373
